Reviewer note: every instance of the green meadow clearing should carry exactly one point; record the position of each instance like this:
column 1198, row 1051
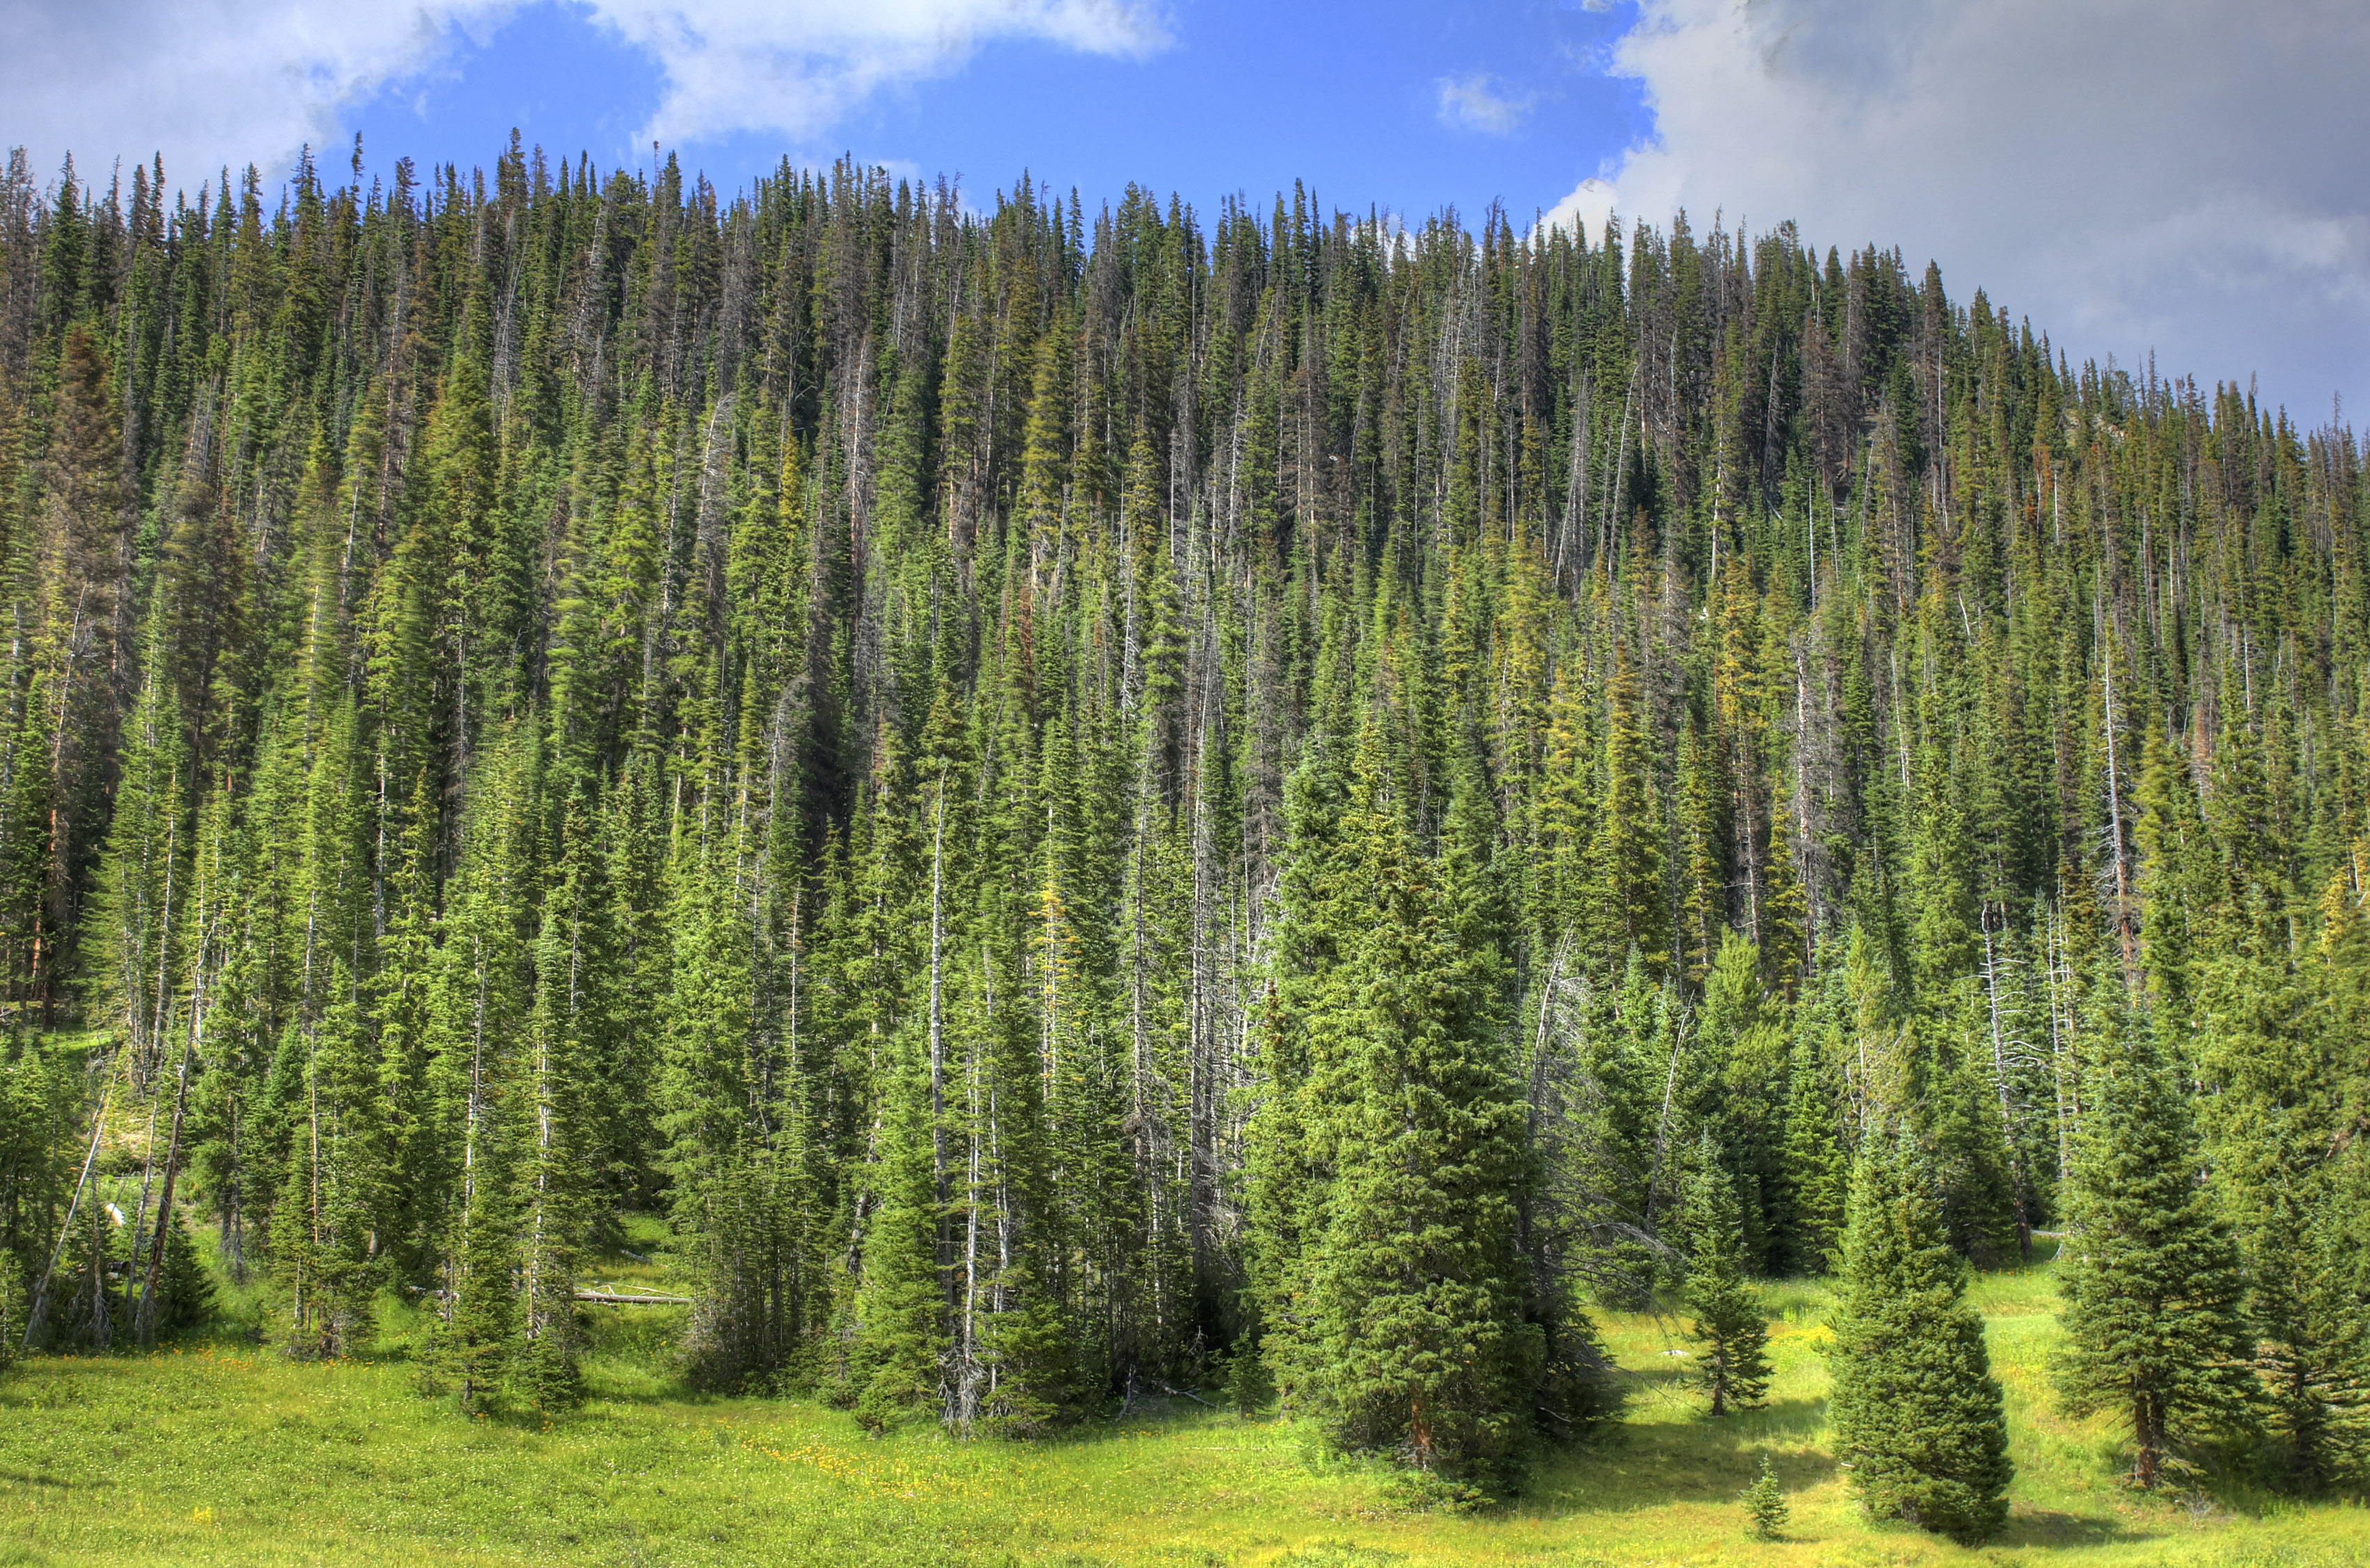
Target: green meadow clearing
column 219, row 1452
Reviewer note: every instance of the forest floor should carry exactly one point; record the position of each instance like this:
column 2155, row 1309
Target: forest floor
column 219, row 1452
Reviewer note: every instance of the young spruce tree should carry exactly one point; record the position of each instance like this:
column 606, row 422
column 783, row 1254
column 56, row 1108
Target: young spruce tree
column 1729, row 1328
column 1918, row 1414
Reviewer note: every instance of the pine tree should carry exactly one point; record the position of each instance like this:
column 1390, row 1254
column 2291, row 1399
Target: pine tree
column 12, row 1309
column 1918, row 1414
column 896, row 1365
column 1728, row 1329
column 332, row 1208
column 2154, row 1331
column 1416, row 1347
column 1627, row 907
column 1815, row 1166
column 1764, row 1502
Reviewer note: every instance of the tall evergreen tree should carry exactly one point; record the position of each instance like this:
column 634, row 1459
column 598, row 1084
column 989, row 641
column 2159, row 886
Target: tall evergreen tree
column 1918, row 1414
column 331, row 1210
column 2155, row 1329
column 1415, row 1345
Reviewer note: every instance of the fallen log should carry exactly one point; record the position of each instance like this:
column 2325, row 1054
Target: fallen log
column 1180, row 1393
column 615, row 1298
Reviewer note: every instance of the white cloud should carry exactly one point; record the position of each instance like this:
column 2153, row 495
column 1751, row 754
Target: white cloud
column 207, row 82
column 2181, row 176
column 1583, row 211
column 211, row 82
column 1470, row 103
column 796, row 68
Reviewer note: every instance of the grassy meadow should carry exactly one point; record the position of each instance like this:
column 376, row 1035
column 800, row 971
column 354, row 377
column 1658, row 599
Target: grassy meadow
column 218, row 1451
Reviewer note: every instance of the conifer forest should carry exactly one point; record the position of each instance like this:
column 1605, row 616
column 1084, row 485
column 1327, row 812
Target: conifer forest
column 1099, row 800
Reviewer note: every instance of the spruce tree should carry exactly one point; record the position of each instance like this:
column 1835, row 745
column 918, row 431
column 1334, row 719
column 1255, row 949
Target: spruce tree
column 1625, row 903
column 553, row 1118
column 1730, row 1330
column 185, row 1288
column 476, row 1023
column 2325, row 1417
column 1816, row 1169
column 1917, row 1415
column 473, row 1340
column 714, row 1100
column 2300, row 1311
column 1415, row 1347
column 331, row 1206
column 1297, row 1023
column 896, row 1365
column 2154, row 1325
column 12, row 1309
column 1740, row 1038
column 1764, row 1502
column 1959, row 1113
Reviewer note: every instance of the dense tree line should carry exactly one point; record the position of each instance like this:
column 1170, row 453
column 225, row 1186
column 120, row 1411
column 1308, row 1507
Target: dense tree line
column 1081, row 797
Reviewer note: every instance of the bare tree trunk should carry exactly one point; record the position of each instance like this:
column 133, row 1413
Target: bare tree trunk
column 147, row 1169
column 963, row 1409
column 144, row 1319
column 938, row 1039
column 1663, row 1125
column 35, row 1315
column 2123, row 931
column 2007, row 1113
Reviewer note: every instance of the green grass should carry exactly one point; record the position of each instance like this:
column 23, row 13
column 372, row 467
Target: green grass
column 223, row 1453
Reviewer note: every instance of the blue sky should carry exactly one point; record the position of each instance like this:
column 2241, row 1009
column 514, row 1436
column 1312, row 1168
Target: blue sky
column 2181, row 179
column 1406, row 105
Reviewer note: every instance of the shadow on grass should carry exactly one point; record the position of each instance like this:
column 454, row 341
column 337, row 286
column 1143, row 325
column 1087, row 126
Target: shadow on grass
column 2048, row 1526
column 1642, row 1466
column 1675, row 1386
column 29, row 1478
column 600, row 1390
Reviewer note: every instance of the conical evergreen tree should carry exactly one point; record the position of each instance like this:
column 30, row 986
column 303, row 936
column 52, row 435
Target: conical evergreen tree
column 1918, row 1414
column 1625, row 903
column 331, row 1211
column 476, row 1023
column 896, row 1365
column 185, row 1287
column 553, row 1114
column 12, row 1309
column 687, row 672
column 1729, row 1328
column 2155, row 1330
column 1285, row 1169
column 1815, row 1166
column 1742, row 1039
column 471, row 1344
column 1417, row 1346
